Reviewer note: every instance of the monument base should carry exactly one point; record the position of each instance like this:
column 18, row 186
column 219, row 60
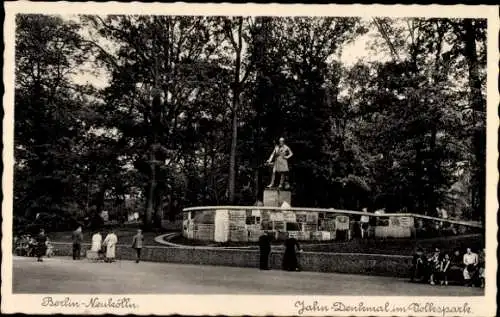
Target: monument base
column 274, row 197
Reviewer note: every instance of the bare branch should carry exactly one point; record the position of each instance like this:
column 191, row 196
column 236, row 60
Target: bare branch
column 110, row 58
column 228, row 28
column 384, row 34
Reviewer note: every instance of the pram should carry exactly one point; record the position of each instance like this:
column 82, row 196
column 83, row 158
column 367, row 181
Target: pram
column 95, row 256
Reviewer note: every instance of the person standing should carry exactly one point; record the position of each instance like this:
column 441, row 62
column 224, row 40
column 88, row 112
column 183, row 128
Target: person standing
column 110, row 242
column 456, row 266
column 50, row 249
column 418, row 269
column 77, row 243
column 434, row 266
column 470, row 263
column 281, row 154
column 265, row 250
column 364, row 224
column 96, row 244
column 445, row 265
column 41, row 247
column 31, row 246
column 290, row 261
column 137, row 244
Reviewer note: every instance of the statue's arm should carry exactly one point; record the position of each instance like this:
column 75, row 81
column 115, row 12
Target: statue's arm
column 290, row 153
column 272, row 155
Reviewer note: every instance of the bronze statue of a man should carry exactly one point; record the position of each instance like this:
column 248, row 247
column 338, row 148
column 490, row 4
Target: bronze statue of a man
column 280, row 155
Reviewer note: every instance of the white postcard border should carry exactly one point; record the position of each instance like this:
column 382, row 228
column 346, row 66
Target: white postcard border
column 238, row 304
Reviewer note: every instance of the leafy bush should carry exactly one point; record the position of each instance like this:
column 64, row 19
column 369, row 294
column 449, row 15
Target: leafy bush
column 51, row 222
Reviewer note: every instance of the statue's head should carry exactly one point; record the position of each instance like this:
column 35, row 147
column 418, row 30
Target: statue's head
column 282, row 141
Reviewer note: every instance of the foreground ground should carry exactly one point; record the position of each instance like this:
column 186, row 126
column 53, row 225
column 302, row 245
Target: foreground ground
column 62, row 275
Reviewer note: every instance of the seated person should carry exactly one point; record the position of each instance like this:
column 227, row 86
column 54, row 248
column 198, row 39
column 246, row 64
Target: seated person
column 18, row 246
column 15, row 242
column 481, row 266
column 22, row 246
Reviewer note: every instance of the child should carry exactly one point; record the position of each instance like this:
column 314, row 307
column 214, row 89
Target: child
column 444, row 266
column 50, row 248
column 31, row 246
column 435, row 265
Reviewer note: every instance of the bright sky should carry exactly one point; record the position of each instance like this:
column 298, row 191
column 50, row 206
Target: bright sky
column 351, row 53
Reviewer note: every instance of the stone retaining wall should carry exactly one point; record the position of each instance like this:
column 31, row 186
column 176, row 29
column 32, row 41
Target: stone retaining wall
column 373, row 264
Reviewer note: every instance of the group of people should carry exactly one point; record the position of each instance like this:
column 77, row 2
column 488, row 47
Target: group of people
column 439, row 267
column 37, row 246
column 105, row 249
column 290, row 257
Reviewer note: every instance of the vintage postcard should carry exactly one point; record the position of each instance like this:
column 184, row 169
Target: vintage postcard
column 220, row 159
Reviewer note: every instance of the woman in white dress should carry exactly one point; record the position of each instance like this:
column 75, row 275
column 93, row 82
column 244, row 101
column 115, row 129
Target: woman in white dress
column 110, row 243
column 96, row 242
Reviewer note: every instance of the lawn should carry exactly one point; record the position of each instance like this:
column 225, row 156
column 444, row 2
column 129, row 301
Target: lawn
column 401, row 246
column 373, row 246
column 125, row 236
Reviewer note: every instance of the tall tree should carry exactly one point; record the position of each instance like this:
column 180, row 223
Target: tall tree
column 50, row 115
column 472, row 32
column 162, row 50
column 237, row 34
column 193, row 104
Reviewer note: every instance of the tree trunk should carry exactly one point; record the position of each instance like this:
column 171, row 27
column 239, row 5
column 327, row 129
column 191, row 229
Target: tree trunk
column 232, row 157
column 478, row 104
column 235, row 105
column 432, row 173
column 158, row 208
column 155, row 129
column 100, row 200
column 148, row 217
column 419, row 202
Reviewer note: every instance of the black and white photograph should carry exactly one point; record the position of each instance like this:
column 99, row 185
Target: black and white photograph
column 340, row 162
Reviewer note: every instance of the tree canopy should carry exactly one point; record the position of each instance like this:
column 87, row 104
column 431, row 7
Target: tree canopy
column 192, row 106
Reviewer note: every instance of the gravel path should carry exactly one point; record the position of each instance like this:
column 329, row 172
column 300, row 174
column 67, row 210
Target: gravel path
column 62, row 275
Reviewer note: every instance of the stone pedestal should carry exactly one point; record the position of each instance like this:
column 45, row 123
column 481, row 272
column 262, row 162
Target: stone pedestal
column 274, row 197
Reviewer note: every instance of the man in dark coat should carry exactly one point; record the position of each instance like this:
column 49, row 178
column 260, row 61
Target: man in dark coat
column 418, row 270
column 265, row 250
column 77, row 238
column 41, row 247
column 290, row 261
column 137, row 244
column 455, row 272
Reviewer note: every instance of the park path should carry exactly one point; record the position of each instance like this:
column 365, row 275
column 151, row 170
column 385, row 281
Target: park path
column 62, row 275
column 163, row 239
